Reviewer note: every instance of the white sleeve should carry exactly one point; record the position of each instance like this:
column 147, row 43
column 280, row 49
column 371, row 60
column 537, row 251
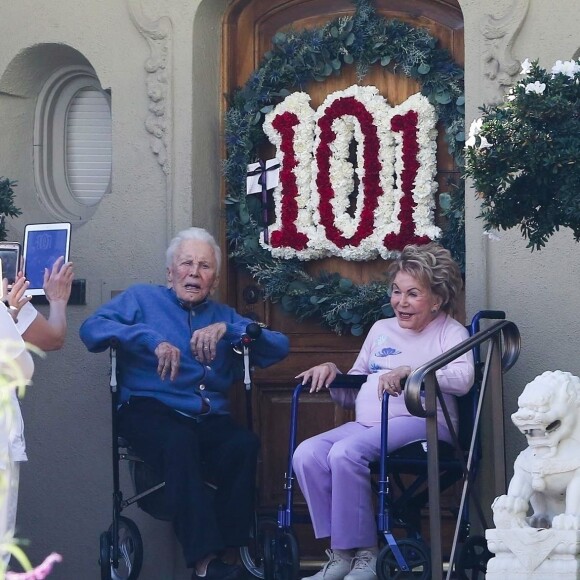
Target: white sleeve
column 457, row 377
column 13, row 346
column 26, row 317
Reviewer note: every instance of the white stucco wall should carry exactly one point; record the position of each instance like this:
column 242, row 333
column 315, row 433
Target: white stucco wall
column 536, row 289
column 65, row 489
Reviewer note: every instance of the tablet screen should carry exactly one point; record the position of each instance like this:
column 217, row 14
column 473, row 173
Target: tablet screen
column 9, row 257
column 42, row 250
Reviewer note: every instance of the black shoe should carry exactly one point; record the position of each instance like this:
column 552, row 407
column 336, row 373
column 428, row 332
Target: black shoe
column 218, row 570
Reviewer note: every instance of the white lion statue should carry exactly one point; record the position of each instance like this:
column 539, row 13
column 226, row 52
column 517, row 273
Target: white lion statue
column 547, row 473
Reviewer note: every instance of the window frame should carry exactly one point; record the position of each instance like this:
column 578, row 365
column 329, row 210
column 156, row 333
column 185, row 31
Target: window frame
column 50, row 123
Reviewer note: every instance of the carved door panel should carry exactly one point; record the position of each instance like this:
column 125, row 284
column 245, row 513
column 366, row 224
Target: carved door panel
column 249, row 27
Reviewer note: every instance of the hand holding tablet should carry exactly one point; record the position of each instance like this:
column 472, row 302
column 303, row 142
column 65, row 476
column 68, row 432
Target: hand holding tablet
column 10, row 256
column 44, row 244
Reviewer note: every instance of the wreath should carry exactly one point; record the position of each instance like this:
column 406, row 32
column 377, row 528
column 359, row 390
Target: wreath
column 296, row 59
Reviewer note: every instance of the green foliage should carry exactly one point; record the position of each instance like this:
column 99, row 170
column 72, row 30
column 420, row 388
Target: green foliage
column 296, row 59
column 524, row 158
column 7, row 207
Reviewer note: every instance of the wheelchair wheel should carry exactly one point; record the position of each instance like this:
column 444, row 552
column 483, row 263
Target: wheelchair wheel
column 269, row 551
column 416, row 556
column 130, row 552
column 105, row 556
column 472, row 559
column 252, row 555
column 281, row 556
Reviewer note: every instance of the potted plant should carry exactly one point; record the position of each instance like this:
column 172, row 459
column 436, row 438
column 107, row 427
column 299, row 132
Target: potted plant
column 7, row 207
column 523, row 154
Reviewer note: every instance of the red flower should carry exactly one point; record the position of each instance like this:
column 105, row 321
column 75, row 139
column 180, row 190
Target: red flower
column 372, row 166
column 288, row 235
column 407, row 125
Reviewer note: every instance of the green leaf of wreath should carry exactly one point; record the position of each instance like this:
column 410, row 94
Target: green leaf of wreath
column 296, row 59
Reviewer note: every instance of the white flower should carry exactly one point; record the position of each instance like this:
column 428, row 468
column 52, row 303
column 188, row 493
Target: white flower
column 299, row 104
column 475, row 127
column 470, row 142
column 484, row 143
column 425, row 184
column 568, row 68
column 535, row 87
column 474, row 130
column 346, row 129
column 492, row 235
column 526, row 67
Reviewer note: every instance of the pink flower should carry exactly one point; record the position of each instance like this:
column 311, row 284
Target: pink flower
column 40, row 572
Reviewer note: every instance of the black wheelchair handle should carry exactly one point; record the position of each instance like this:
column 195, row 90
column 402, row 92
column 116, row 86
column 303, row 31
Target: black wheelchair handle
column 344, row 381
column 354, row 382
column 253, row 331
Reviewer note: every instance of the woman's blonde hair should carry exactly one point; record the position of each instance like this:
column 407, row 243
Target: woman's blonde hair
column 434, row 267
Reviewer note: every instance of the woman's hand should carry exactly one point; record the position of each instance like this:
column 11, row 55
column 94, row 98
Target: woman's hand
column 15, row 298
column 319, row 376
column 58, row 281
column 391, row 382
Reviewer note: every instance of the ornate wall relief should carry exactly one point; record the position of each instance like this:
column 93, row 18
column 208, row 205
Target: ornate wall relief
column 499, row 65
column 158, row 82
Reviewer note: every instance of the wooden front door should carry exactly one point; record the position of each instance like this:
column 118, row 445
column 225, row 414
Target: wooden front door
column 248, row 29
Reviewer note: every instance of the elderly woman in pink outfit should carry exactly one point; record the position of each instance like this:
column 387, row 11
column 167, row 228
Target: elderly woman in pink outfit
column 333, row 468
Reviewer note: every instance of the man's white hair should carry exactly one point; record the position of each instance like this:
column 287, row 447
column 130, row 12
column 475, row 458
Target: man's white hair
column 198, row 234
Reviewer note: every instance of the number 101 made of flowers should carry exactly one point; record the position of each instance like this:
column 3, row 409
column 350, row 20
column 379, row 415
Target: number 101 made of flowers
column 395, row 164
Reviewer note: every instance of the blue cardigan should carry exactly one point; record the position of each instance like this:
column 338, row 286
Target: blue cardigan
column 143, row 316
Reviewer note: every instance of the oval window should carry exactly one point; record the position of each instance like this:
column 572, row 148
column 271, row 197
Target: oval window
column 89, row 146
column 73, row 143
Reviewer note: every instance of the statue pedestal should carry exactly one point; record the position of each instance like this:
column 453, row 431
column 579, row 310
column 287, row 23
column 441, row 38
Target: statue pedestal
column 533, row 554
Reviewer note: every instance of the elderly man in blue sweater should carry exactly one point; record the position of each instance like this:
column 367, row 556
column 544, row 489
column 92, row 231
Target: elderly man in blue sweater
column 176, row 368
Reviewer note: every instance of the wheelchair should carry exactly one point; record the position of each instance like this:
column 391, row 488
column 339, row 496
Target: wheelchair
column 121, row 546
column 410, row 556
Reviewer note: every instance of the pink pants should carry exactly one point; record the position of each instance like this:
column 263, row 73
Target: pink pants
column 333, row 472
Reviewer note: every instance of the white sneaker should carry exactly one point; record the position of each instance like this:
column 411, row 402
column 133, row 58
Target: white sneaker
column 336, row 568
column 364, row 566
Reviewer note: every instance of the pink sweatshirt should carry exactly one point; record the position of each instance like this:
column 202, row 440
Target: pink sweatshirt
column 388, row 346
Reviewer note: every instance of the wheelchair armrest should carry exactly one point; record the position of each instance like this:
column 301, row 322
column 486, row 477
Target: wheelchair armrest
column 348, row 382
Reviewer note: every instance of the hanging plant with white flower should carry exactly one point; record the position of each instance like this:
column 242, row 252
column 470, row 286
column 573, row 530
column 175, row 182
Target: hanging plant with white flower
column 524, row 155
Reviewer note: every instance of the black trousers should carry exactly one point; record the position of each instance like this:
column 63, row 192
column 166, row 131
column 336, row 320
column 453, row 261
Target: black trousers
column 187, row 452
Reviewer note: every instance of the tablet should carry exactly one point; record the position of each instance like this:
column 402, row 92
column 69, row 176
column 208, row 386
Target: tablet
column 10, row 256
column 44, row 244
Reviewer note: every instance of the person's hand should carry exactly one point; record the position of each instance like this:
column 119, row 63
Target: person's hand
column 15, row 298
column 168, row 357
column 204, row 341
column 319, row 376
column 391, row 381
column 58, row 281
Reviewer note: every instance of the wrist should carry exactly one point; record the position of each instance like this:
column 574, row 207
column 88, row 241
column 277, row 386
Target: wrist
column 13, row 311
column 61, row 301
